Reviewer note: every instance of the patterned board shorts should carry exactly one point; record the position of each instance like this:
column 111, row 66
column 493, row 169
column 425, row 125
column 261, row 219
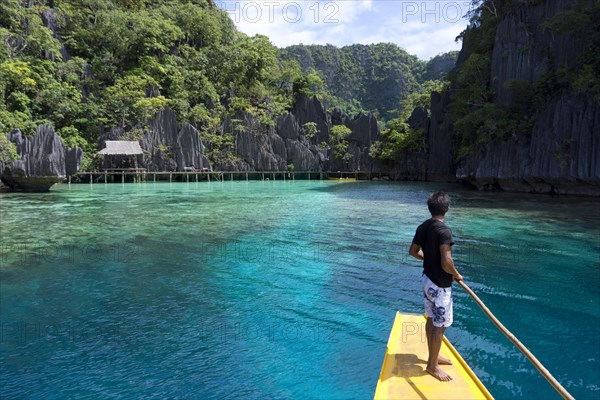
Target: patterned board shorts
column 438, row 303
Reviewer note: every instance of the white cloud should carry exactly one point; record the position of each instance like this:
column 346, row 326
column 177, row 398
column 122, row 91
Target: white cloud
column 422, row 28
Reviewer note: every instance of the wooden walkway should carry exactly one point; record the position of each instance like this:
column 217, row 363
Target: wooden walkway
column 142, row 175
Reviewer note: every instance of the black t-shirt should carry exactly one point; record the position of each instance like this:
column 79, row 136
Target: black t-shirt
column 430, row 235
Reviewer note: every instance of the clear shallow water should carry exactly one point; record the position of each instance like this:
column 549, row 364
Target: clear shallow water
column 281, row 289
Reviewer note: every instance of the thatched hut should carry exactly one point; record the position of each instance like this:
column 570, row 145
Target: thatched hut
column 121, row 155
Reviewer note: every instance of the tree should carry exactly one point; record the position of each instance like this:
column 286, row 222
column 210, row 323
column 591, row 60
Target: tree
column 339, row 142
column 126, row 103
column 8, row 151
column 310, row 130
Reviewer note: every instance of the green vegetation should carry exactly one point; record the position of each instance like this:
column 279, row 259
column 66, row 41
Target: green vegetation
column 310, row 130
column 339, row 142
column 86, row 66
column 373, row 78
column 8, row 151
column 399, row 139
column 584, row 76
column 476, row 117
column 438, row 67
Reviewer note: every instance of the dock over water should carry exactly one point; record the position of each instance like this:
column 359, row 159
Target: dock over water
column 123, row 175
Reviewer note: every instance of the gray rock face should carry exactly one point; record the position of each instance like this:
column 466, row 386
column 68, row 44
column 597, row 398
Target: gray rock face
column 312, row 110
column 561, row 156
column 263, row 148
column 439, row 163
column 44, row 160
column 288, row 127
column 522, row 47
column 171, row 149
column 190, row 150
column 73, row 159
column 50, row 17
column 561, row 153
column 254, row 145
column 364, row 131
column 304, row 156
column 419, row 119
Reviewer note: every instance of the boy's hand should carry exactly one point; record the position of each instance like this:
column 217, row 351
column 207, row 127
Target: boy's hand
column 457, row 277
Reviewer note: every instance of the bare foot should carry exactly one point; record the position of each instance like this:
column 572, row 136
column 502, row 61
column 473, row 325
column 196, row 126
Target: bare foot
column 439, row 374
column 444, row 361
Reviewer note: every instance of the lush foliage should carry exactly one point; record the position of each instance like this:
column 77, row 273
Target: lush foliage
column 584, row 76
column 339, row 142
column 438, row 67
column 8, row 151
column 477, row 117
column 374, row 78
column 88, row 65
column 399, row 139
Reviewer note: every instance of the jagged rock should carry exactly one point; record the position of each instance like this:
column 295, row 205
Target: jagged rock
column 73, row 159
column 190, row 150
column 364, row 131
column 50, row 18
column 254, row 145
column 312, row 110
column 169, row 149
column 43, row 161
column 265, row 148
column 278, row 144
column 561, row 156
column 256, row 150
column 160, row 141
column 303, row 157
column 522, row 47
column 439, row 164
column 339, row 118
column 419, row 119
column 288, row 127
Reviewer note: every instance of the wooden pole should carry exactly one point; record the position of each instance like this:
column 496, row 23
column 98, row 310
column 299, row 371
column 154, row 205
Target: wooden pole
column 538, row 365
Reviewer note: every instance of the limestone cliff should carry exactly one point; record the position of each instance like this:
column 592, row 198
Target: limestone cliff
column 168, row 148
column 560, row 151
column 283, row 146
column 43, row 160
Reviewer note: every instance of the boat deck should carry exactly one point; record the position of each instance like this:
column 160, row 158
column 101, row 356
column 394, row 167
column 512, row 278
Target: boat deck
column 403, row 374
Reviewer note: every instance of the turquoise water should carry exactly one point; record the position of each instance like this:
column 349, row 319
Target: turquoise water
column 281, row 289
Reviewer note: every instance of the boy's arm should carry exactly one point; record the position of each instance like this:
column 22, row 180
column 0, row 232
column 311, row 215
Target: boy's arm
column 448, row 262
column 416, row 252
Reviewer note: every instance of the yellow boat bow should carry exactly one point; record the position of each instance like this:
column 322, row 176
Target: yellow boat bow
column 403, row 374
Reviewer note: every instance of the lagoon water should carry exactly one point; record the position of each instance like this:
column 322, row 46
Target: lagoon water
column 281, row 289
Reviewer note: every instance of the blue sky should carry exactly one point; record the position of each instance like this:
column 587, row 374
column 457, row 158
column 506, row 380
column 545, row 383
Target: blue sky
column 424, row 27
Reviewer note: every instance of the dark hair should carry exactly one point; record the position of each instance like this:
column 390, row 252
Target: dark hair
column 438, row 203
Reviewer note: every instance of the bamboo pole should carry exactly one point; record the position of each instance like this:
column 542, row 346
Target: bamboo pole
column 536, row 363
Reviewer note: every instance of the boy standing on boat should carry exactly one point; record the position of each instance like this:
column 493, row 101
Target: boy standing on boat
column 433, row 244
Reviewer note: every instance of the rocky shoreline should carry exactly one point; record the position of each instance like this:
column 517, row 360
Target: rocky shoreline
column 44, row 160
